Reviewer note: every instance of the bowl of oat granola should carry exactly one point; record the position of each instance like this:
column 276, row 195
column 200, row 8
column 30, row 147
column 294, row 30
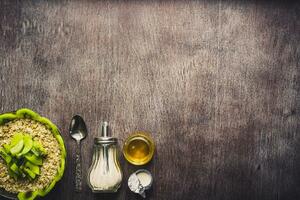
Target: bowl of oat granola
column 32, row 155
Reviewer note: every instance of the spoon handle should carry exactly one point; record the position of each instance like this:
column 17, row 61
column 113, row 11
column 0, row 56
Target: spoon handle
column 78, row 168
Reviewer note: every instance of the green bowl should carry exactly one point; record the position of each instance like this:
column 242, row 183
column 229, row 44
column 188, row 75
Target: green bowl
column 27, row 113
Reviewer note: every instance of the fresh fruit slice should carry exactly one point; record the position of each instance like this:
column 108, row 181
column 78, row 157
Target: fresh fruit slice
column 35, row 151
column 34, row 159
column 31, row 174
column 6, row 148
column 28, row 143
column 5, row 156
column 38, row 149
column 15, row 168
column 33, row 168
column 19, row 156
column 16, row 139
column 12, row 174
column 17, row 148
column 21, row 169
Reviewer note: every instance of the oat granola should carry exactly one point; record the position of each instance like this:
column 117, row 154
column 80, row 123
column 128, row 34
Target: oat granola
column 50, row 165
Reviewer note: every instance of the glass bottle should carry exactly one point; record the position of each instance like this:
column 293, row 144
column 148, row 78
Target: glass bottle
column 105, row 174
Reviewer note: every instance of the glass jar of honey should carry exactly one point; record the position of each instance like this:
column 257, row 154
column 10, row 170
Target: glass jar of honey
column 138, row 148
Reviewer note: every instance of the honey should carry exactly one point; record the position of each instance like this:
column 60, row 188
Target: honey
column 138, row 148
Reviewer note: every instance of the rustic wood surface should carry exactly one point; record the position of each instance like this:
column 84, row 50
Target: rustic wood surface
column 217, row 83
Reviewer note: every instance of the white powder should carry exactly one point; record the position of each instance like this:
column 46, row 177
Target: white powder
column 105, row 174
column 134, row 184
column 145, row 179
column 140, row 181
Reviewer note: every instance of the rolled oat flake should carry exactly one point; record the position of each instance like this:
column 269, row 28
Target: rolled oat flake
column 140, row 181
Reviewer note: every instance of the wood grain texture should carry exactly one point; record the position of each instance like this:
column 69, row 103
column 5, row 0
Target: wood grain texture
column 215, row 82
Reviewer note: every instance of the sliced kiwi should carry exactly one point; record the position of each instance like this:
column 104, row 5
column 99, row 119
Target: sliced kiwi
column 17, row 148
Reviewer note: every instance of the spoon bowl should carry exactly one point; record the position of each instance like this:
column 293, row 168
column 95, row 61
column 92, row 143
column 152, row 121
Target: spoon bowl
column 78, row 130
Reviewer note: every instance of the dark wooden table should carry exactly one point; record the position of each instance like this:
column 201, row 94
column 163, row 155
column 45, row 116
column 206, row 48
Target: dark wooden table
column 217, row 83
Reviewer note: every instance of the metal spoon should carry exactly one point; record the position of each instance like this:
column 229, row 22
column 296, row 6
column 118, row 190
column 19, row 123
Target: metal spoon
column 78, row 132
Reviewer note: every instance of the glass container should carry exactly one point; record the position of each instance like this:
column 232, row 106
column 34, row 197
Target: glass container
column 138, row 148
column 105, row 174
